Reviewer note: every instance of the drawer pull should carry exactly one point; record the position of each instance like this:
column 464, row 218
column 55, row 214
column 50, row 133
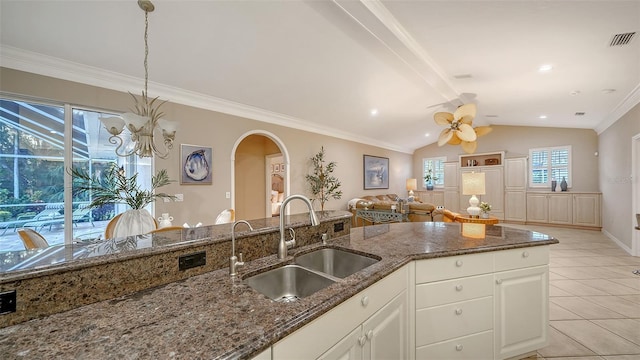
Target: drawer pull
column 370, row 334
column 365, row 301
column 459, row 263
column 362, row 340
column 458, row 287
column 459, row 347
column 458, row 311
column 499, row 281
column 525, row 254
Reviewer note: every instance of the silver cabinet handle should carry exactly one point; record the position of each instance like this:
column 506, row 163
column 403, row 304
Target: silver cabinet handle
column 365, row 301
column 458, row 287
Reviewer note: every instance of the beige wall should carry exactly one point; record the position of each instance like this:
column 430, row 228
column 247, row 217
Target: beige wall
column 221, row 131
column 615, row 177
column 517, row 140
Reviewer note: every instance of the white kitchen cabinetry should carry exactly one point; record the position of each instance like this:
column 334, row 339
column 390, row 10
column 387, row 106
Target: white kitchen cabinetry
column 376, row 320
column 577, row 209
column 451, row 192
column 482, row 306
column 521, row 301
column 383, row 336
column 515, row 187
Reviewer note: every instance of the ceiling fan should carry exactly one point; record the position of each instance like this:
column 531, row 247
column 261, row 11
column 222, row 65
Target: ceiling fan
column 459, row 129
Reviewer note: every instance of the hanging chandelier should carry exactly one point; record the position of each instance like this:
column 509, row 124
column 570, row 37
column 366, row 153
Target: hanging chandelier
column 145, row 120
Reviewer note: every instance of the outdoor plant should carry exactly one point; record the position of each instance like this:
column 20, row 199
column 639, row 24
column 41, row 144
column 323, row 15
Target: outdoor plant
column 323, row 184
column 116, row 188
column 485, row 207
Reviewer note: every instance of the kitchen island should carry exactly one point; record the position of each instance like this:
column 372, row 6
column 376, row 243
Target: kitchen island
column 213, row 316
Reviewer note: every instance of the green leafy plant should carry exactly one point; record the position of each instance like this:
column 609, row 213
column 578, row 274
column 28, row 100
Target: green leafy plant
column 116, row 188
column 429, row 176
column 323, row 184
column 485, row 207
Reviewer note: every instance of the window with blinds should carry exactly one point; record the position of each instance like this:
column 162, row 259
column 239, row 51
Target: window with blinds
column 437, row 171
column 548, row 164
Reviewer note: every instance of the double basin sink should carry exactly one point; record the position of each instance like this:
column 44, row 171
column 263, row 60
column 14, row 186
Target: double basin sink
column 310, row 273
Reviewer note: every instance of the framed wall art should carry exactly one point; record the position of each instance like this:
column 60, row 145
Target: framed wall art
column 196, row 165
column 376, row 172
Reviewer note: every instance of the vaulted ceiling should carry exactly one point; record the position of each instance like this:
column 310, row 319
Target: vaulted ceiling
column 324, row 66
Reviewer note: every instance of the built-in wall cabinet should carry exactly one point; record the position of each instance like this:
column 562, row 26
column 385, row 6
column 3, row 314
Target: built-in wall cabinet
column 506, row 183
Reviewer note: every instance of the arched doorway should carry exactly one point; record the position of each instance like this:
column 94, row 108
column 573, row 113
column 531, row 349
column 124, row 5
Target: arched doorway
column 251, row 173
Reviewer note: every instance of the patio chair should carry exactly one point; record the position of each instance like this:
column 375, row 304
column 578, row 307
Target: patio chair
column 32, row 239
column 108, row 231
column 81, row 215
column 44, row 215
column 47, row 217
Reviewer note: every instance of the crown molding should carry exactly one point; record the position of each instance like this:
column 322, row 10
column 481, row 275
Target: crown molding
column 620, row 110
column 27, row 61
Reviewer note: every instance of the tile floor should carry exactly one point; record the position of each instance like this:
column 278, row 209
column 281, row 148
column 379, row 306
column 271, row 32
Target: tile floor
column 594, row 304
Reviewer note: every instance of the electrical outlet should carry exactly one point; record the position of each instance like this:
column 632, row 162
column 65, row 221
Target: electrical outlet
column 227, row 195
column 192, row 260
column 8, row 302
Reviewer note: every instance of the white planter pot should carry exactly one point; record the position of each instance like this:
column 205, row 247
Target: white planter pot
column 134, row 222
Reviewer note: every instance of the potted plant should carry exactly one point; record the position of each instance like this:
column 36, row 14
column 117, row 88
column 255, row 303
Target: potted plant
column 485, row 208
column 323, row 184
column 114, row 187
column 429, row 178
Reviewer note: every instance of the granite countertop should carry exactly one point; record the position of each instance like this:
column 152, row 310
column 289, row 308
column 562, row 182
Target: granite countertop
column 213, row 316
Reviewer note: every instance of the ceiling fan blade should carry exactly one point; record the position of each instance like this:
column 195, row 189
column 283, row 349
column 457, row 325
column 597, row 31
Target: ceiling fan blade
column 455, row 140
column 483, row 130
column 443, row 118
column 466, row 133
column 465, row 113
column 469, row 146
column 445, row 136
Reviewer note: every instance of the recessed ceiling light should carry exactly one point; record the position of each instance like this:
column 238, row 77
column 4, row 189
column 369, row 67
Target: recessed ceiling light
column 374, row 112
column 545, row 68
column 427, row 135
column 542, row 116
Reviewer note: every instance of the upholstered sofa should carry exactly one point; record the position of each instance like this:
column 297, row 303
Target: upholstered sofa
column 416, row 210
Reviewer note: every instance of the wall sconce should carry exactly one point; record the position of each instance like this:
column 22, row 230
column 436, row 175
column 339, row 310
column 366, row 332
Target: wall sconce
column 412, row 184
column 473, row 184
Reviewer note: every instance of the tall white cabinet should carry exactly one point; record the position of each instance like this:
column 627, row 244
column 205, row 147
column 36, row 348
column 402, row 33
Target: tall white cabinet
column 515, row 189
column 451, row 186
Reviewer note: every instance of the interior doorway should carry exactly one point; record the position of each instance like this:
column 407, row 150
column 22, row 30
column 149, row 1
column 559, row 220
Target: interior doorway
column 249, row 183
column 635, row 189
column 274, row 175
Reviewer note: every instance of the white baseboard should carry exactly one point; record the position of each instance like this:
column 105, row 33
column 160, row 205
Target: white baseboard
column 618, row 242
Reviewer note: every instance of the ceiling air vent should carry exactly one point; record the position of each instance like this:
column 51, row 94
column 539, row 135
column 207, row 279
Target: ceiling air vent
column 580, row 113
column 622, row 39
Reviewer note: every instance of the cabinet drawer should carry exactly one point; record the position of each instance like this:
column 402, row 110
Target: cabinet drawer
column 472, row 347
column 453, row 320
column 338, row 322
column 451, row 267
column 456, row 290
column 521, row 258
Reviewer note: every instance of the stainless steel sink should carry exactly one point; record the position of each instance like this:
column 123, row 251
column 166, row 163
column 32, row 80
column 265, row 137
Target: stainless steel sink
column 334, row 262
column 288, row 283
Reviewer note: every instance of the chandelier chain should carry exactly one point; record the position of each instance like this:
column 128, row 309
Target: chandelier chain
column 146, row 50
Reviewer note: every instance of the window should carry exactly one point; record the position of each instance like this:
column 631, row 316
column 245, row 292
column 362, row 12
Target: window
column 547, row 164
column 33, row 159
column 437, row 170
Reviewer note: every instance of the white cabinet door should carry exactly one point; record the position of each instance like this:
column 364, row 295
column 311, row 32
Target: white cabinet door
column 451, row 175
column 265, row 355
column 522, row 311
column 537, row 207
column 515, row 206
column 452, row 201
column 586, row 210
column 515, row 173
column 349, row 348
column 386, row 331
column 560, row 209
